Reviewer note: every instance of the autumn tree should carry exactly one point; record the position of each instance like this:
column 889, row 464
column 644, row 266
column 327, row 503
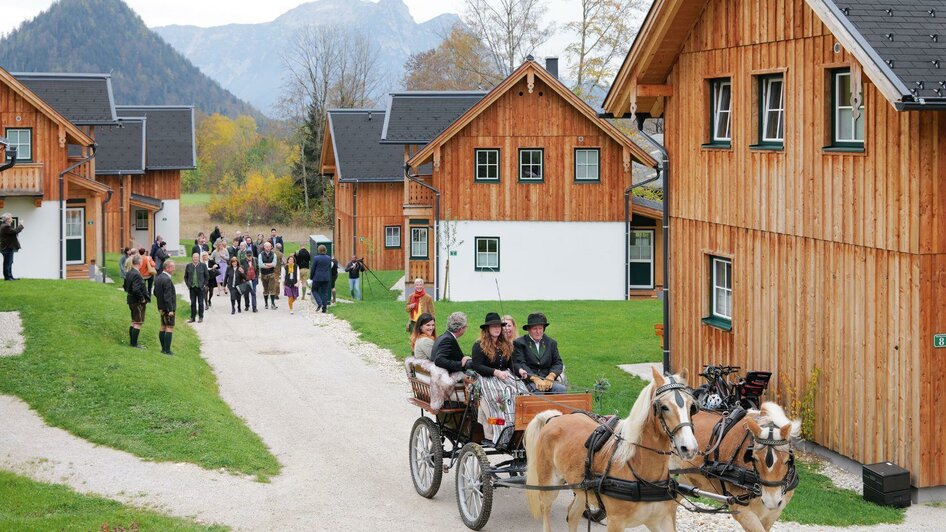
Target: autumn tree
column 509, row 29
column 459, row 62
column 605, row 32
column 230, row 149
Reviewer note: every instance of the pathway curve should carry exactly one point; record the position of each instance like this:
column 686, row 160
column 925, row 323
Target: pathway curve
column 331, row 408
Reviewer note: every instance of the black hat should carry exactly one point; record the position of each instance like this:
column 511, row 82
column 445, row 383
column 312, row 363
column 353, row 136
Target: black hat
column 536, row 318
column 492, row 319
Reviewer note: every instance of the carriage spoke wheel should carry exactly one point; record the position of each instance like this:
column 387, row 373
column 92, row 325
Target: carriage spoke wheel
column 426, row 457
column 474, row 486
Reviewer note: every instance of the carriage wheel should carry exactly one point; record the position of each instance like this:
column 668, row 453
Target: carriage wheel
column 426, row 457
column 474, row 486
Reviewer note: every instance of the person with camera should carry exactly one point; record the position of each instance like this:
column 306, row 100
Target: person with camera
column 354, row 269
column 321, row 272
column 9, row 243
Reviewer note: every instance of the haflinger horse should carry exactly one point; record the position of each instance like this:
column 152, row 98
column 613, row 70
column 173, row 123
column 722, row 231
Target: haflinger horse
column 760, row 450
column 657, row 426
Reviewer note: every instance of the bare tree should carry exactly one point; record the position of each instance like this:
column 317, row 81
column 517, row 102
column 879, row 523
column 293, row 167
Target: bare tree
column 510, row 29
column 605, row 32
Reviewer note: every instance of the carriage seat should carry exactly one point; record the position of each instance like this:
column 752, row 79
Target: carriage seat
column 442, row 386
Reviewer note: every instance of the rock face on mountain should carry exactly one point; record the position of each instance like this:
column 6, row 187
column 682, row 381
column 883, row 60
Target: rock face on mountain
column 247, row 59
column 101, row 36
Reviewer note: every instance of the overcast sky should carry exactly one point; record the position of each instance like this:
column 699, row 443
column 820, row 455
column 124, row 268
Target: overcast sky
column 218, row 12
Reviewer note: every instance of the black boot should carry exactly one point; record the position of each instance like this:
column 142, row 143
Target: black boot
column 167, row 341
column 273, row 298
column 161, row 339
column 133, row 336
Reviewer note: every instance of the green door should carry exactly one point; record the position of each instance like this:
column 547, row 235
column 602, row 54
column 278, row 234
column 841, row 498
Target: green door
column 640, row 254
column 75, row 235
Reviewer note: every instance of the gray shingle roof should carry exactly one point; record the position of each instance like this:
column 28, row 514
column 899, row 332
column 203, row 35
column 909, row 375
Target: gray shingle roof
column 650, row 204
column 359, row 155
column 121, row 149
column 147, row 199
column 901, row 32
column 83, row 99
column 417, row 117
column 169, row 142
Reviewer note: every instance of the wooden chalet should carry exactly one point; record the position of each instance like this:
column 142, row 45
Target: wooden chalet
column 142, row 160
column 368, row 178
column 51, row 120
column 807, row 205
column 535, row 188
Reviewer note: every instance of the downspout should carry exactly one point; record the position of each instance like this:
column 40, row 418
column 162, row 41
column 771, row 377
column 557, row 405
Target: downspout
column 627, row 230
column 104, row 241
column 354, row 219
column 413, row 177
column 121, row 211
column 11, row 152
column 62, row 209
column 665, row 173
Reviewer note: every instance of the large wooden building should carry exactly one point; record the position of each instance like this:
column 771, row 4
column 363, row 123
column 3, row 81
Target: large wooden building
column 534, row 188
column 50, row 119
column 807, row 205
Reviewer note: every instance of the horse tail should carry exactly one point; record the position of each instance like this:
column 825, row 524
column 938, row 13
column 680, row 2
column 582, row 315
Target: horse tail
column 531, row 437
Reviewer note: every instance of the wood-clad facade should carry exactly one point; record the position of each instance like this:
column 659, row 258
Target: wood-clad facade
column 362, row 233
column 838, row 258
column 120, row 212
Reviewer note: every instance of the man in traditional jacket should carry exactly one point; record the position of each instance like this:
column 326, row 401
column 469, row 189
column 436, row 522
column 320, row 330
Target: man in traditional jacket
column 536, row 357
column 269, row 274
column 166, row 297
column 137, row 300
column 195, row 278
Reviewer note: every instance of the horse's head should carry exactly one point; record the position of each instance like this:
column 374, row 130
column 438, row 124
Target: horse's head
column 673, row 407
column 771, row 454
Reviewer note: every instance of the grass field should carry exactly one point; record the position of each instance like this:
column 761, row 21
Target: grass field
column 79, row 374
column 30, row 506
column 195, row 199
column 594, row 337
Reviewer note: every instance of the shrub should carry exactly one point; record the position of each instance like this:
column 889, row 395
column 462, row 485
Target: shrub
column 262, row 198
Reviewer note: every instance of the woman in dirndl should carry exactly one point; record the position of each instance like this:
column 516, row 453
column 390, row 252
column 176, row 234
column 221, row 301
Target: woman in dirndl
column 291, row 281
column 222, row 257
column 492, row 359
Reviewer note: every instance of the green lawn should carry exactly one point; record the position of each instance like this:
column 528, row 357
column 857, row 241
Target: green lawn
column 30, row 506
column 818, row 502
column 593, row 336
column 195, row 199
column 78, row 372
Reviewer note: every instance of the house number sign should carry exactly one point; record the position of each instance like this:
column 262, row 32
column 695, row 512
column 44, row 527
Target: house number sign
column 939, row 340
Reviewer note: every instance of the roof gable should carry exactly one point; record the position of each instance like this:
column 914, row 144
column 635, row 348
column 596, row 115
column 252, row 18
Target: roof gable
column 169, row 140
column 356, row 148
column 417, row 117
column 84, row 99
column 529, row 71
column 72, row 132
column 121, row 149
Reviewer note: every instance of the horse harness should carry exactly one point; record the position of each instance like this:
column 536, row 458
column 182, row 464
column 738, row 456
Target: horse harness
column 727, row 473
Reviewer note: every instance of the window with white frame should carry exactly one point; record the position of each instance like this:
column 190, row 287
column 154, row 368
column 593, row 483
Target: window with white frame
column 587, row 165
column 531, row 164
column 848, row 129
column 721, row 281
column 419, row 242
column 722, row 110
column 141, row 220
column 392, row 236
column 487, row 253
column 22, row 140
column 773, row 109
column 487, row 165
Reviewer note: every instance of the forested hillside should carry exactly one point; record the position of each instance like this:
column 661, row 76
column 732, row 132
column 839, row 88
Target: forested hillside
column 107, row 36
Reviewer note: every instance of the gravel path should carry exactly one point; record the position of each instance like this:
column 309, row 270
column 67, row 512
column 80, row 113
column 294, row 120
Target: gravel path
column 11, row 334
column 333, row 411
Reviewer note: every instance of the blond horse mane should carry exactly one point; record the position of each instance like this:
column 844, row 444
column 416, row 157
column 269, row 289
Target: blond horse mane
column 631, row 428
column 772, row 412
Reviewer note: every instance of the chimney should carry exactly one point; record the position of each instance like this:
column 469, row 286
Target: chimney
column 551, row 64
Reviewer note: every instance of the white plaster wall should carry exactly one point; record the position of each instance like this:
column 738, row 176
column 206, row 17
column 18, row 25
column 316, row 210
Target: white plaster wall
column 540, row 260
column 139, row 238
column 39, row 258
column 168, row 225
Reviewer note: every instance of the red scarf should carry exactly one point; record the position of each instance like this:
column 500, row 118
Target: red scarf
column 415, row 298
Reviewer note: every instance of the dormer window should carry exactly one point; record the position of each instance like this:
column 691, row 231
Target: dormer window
column 848, row 125
column 720, row 112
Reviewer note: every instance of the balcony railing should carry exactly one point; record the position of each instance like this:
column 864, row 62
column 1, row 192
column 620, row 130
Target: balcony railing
column 22, row 180
column 419, row 195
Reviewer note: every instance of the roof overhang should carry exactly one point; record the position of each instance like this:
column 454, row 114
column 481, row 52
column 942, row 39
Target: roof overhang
column 328, row 162
column 637, row 154
column 145, row 202
column 373, row 180
column 69, row 129
column 647, row 209
column 84, row 182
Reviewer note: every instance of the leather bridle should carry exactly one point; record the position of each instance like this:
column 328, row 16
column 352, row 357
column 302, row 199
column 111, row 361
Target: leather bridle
column 790, row 481
column 680, row 390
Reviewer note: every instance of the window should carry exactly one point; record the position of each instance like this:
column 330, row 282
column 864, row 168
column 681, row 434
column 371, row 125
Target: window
column 640, row 259
column 22, row 140
column 392, row 236
column 587, row 167
column 75, row 235
column 848, row 129
column 419, row 242
column 487, row 165
column 772, row 110
column 487, row 254
column 721, row 111
column 141, row 220
column 530, row 164
column 721, row 304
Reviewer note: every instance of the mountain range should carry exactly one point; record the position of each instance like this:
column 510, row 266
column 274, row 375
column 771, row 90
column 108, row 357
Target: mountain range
column 247, row 59
column 106, row 36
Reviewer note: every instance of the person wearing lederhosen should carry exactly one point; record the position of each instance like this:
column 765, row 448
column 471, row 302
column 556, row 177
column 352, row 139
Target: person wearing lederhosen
column 267, row 270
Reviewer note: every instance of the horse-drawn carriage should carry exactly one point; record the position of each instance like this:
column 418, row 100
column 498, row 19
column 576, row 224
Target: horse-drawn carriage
column 620, row 467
